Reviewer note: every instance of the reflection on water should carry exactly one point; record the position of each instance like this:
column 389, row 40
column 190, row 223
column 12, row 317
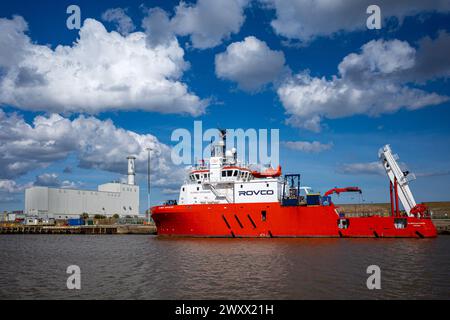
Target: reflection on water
column 149, row 267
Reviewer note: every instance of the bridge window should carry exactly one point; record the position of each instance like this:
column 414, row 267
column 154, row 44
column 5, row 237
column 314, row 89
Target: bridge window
column 224, row 173
column 235, row 173
column 229, row 173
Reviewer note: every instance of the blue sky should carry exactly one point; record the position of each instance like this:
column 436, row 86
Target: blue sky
column 399, row 96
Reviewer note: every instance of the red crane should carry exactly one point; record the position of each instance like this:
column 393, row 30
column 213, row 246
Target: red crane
column 339, row 190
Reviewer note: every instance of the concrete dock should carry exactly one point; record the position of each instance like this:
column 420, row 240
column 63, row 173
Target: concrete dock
column 442, row 226
column 97, row 229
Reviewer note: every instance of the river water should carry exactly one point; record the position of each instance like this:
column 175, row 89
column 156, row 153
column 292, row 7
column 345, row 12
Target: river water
column 151, row 267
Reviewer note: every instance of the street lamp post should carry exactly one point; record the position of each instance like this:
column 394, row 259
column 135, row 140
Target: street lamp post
column 148, row 184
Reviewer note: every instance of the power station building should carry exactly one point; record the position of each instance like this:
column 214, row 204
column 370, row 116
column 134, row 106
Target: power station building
column 109, row 199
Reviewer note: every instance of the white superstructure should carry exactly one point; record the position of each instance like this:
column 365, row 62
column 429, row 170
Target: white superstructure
column 223, row 179
column 109, row 199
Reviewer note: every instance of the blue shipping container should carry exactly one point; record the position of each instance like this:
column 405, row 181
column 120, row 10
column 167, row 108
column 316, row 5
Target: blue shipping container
column 75, row 222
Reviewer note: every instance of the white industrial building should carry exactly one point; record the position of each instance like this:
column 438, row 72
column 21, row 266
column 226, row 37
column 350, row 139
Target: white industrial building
column 109, row 199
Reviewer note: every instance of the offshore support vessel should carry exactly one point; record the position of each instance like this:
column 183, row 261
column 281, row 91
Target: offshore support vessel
column 225, row 198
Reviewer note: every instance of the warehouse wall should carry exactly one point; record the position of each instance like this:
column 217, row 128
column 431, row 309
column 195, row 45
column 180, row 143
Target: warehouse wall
column 110, row 199
column 36, row 200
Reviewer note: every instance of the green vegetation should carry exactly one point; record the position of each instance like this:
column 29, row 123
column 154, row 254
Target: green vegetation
column 84, row 216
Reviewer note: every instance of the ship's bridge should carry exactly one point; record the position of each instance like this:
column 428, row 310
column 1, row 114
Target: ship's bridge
column 224, row 179
column 227, row 174
column 222, row 182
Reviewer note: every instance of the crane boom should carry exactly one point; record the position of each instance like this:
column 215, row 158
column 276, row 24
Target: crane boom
column 339, row 190
column 398, row 177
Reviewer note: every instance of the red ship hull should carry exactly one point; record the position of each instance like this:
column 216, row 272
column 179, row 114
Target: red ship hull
column 274, row 220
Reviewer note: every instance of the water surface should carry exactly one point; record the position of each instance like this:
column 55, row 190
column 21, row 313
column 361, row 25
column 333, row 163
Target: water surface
column 151, row 267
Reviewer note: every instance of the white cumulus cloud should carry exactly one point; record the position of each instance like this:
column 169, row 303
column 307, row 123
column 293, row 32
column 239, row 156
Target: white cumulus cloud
column 170, row 191
column 250, row 63
column 95, row 143
column 371, row 168
column 433, row 58
column 158, row 27
column 119, row 17
column 100, row 71
column 53, row 180
column 308, row 147
column 209, row 22
column 372, row 82
column 10, row 186
column 306, row 20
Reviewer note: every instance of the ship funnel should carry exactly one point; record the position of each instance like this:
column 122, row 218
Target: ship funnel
column 131, row 171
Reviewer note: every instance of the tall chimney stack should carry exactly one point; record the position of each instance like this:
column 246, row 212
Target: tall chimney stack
column 131, row 171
